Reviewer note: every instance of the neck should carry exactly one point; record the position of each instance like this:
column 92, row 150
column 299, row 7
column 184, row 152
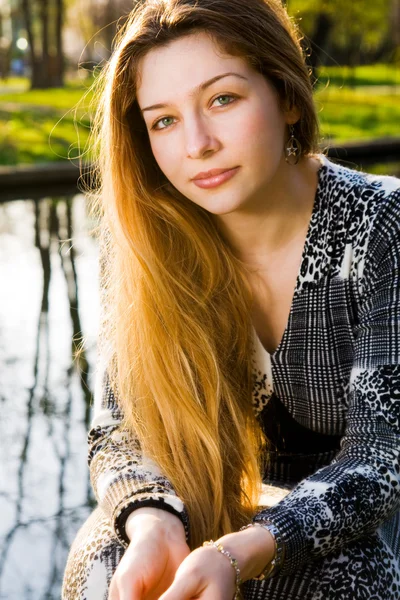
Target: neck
column 275, row 220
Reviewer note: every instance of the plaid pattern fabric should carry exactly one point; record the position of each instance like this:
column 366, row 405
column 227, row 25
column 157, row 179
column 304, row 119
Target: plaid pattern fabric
column 335, row 374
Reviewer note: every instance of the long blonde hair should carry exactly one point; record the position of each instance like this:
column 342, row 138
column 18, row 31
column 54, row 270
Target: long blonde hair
column 177, row 300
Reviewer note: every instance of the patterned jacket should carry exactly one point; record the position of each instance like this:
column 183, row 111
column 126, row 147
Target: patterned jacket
column 328, row 397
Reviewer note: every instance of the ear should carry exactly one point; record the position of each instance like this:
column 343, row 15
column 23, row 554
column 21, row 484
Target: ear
column 292, row 115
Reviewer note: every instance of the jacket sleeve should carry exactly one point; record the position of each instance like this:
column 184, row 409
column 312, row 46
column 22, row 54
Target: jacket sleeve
column 122, row 477
column 360, row 489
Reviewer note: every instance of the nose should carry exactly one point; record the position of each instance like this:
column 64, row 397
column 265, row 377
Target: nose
column 200, row 138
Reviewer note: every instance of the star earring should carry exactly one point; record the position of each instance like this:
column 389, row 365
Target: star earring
column 292, row 149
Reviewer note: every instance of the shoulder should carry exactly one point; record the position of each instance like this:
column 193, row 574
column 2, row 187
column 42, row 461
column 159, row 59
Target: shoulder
column 364, row 205
column 360, row 191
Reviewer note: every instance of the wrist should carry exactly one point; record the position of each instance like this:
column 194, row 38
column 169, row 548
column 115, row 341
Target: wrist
column 253, row 548
column 146, row 519
column 275, row 565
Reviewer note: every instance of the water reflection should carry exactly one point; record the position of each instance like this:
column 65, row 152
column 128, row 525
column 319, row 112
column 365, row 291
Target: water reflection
column 48, row 298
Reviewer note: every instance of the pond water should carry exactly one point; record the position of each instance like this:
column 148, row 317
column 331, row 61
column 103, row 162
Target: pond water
column 48, row 299
column 48, row 296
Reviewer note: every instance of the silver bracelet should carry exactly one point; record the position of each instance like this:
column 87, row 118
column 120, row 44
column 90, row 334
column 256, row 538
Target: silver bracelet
column 233, row 562
column 275, row 564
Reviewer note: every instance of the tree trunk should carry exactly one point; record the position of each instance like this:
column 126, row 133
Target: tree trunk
column 5, row 51
column 44, row 17
column 319, row 41
column 59, row 63
column 36, row 75
column 46, row 71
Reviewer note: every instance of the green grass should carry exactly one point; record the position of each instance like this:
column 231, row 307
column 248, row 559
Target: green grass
column 351, row 115
column 15, row 82
column 43, row 125
column 58, row 98
column 365, row 75
column 384, row 169
column 40, row 136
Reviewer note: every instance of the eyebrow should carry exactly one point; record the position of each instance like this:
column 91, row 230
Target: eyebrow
column 199, row 88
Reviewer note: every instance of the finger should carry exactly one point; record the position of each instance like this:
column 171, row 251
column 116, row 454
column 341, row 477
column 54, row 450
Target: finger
column 184, row 587
column 123, row 588
column 113, row 590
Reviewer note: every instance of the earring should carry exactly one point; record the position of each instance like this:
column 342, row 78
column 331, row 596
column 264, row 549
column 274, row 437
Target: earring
column 293, row 149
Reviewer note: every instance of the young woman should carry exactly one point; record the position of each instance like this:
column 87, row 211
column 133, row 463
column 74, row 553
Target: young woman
column 251, row 327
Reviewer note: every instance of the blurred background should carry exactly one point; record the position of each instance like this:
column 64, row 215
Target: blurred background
column 50, row 53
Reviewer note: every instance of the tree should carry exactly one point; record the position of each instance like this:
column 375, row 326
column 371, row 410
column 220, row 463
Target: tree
column 354, row 28
column 44, row 26
column 96, row 22
column 5, row 39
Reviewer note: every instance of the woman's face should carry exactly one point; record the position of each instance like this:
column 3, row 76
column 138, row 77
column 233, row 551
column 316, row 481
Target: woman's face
column 209, row 111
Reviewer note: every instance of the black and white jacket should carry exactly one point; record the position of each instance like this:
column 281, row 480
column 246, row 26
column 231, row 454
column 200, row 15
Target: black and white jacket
column 328, row 397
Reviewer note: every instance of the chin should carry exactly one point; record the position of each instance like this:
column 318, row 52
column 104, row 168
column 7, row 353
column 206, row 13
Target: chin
column 226, row 211
column 219, row 205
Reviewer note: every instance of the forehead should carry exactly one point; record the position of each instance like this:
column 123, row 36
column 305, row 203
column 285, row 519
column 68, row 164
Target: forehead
column 182, row 65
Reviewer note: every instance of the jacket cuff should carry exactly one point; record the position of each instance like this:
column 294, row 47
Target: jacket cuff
column 167, row 502
column 296, row 546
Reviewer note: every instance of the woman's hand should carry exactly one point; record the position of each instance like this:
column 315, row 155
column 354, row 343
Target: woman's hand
column 207, row 574
column 157, row 548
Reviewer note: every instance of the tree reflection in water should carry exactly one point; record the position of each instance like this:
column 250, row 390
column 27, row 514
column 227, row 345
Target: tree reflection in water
column 45, row 491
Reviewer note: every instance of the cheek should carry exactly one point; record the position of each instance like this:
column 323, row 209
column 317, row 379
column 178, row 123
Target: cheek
column 261, row 126
column 166, row 156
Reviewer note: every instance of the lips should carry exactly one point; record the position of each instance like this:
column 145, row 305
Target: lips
column 214, row 178
column 212, row 173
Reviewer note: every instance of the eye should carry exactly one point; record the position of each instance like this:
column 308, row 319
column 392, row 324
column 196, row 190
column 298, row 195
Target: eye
column 163, row 121
column 225, row 99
